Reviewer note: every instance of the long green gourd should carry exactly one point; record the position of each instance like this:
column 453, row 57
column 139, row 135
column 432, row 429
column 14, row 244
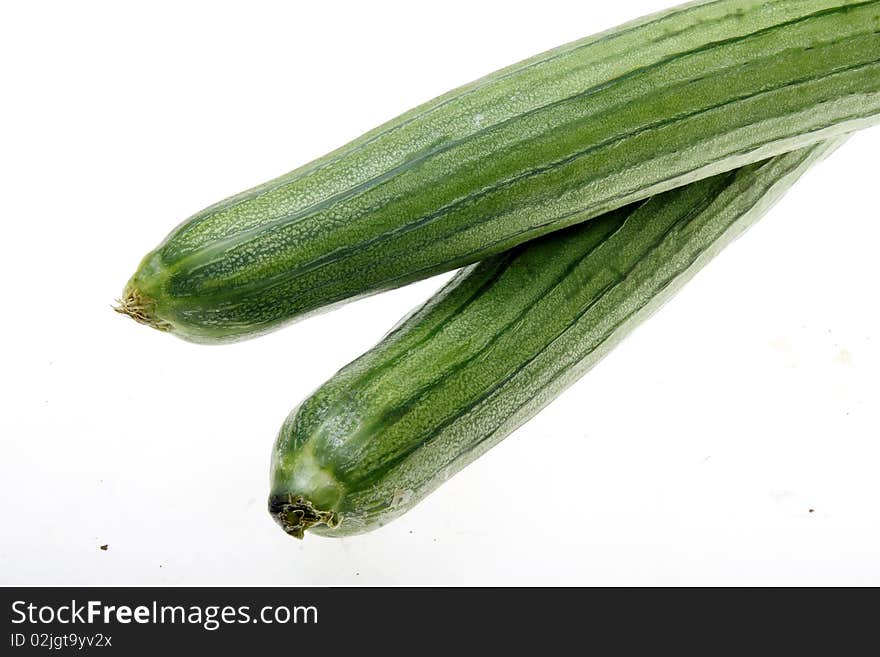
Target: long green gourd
column 495, row 346
column 553, row 141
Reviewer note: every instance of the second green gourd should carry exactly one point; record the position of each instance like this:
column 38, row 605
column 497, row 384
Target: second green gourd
column 496, row 345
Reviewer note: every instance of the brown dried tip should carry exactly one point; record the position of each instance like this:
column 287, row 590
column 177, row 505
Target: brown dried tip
column 297, row 514
column 140, row 309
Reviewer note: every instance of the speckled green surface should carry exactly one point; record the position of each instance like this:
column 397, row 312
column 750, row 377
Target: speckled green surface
column 552, row 141
column 496, row 345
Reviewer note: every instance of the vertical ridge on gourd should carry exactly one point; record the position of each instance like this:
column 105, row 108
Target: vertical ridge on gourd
column 496, row 345
column 559, row 139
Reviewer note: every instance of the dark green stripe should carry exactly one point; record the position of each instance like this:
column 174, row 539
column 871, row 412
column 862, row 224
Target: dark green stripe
column 499, row 268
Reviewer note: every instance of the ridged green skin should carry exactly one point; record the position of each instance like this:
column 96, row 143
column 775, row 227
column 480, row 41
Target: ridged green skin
column 558, row 139
column 496, row 345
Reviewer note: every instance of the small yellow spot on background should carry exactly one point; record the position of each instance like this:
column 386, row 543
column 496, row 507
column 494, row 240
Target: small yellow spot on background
column 844, row 357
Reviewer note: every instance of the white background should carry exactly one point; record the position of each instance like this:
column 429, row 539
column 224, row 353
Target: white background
column 691, row 455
